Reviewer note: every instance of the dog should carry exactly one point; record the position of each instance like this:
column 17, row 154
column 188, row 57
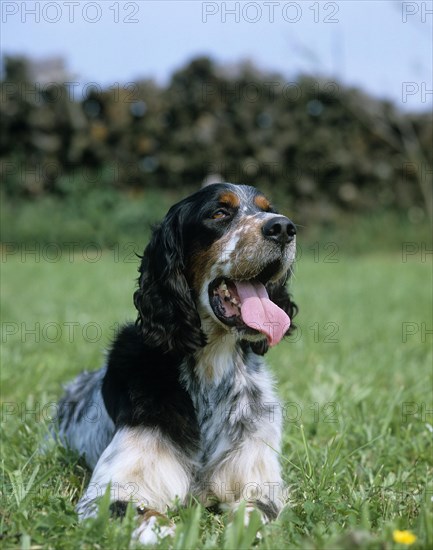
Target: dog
column 185, row 404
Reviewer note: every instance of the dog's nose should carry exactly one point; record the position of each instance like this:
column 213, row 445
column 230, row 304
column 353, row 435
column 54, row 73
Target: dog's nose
column 279, row 229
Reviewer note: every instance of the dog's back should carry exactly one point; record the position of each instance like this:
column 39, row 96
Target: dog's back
column 83, row 422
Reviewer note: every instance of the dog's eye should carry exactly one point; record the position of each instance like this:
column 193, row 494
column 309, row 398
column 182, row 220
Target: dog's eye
column 220, row 214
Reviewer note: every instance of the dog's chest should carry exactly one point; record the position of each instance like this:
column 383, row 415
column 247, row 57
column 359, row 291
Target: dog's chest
column 230, row 409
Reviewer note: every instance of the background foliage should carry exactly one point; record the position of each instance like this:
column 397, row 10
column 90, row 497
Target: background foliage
column 315, row 145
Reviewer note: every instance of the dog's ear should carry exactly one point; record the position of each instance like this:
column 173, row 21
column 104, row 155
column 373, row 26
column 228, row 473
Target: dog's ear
column 278, row 294
column 167, row 315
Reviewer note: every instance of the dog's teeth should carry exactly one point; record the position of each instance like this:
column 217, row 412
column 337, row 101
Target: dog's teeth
column 223, row 286
column 227, row 293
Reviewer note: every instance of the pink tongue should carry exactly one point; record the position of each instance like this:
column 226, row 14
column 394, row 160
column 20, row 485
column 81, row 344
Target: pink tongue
column 259, row 313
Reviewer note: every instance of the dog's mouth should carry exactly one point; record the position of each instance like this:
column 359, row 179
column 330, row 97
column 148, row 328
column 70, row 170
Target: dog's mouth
column 245, row 305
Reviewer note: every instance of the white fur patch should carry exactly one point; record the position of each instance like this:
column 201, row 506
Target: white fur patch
column 217, row 358
column 149, row 531
column 250, row 473
column 142, row 467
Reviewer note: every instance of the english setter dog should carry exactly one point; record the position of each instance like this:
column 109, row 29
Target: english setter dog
column 185, row 404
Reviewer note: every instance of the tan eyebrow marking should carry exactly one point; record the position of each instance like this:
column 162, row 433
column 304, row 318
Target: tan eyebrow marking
column 262, row 202
column 229, row 199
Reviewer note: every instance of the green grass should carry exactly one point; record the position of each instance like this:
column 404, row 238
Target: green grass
column 357, row 389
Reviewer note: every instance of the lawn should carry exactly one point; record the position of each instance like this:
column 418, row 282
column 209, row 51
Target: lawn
column 355, row 382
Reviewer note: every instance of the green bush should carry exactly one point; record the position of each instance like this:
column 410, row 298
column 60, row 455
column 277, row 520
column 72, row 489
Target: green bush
column 326, row 147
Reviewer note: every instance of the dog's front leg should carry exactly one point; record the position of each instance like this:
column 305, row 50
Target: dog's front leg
column 143, row 467
column 251, row 473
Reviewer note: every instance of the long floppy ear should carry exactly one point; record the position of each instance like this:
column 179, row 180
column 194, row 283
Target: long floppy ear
column 278, row 294
column 167, row 315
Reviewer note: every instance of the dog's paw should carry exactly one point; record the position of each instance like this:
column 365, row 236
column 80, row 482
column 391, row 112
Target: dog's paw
column 244, row 526
column 154, row 527
column 250, row 509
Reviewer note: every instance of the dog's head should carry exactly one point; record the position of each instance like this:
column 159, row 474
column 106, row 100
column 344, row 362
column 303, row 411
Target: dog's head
column 218, row 263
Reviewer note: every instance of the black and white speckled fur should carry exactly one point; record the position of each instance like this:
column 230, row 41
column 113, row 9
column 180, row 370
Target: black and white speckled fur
column 84, row 424
column 240, row 427
column 185, row 405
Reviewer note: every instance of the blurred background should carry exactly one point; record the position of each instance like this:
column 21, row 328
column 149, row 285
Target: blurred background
column 111, row 111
